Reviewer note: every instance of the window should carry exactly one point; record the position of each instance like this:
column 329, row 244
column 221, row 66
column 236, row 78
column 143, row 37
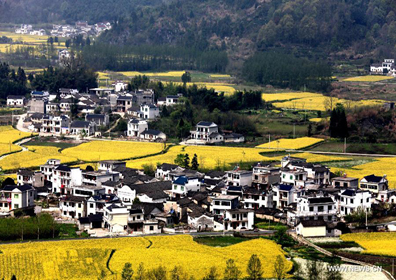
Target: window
column 16, row 206
column 91, row 205
column 182, row 189
column 64, row 213
column 138, row 217
column 310, row 209
column 151, row 228
column 284, row 176
column 243, row 224
column 16, row 195
column 217, row 202
column 291, row 177
column 233, row 216
column 320, row 208
column 79, row 205
column 245, row 215
column 330, row 207
column 368, row 199
column 352, row 201
column 361, row 201
column 174, row 187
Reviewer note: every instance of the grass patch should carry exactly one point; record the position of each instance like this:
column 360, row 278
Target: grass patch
column 271, row 226
column 338, row 245
column 219, row 241
column 348, row 163
column 61, row 145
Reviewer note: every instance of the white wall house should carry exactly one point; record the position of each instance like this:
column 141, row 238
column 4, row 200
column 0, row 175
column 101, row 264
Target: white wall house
column 116, row 218
column 182, row 185
column 206, row 132
column 126, row 195
column 283, row 195
column 239, row 177
column 72, row 207
column 238, row 219
column 351, row 200
column 64, row 178
column 16, row 101
column 14, row 197
column 222, row 203
column 293, row 177
column 153, row 135
column 374, row 184
column 149, row 111
column 136, row 127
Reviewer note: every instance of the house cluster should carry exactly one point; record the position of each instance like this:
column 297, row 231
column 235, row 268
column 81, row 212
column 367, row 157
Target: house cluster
column 387, row 67
column 28, row 30
column 126, row 201
column 80, row 28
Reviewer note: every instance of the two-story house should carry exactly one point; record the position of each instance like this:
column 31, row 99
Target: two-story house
column 265, row 176
column 239, row 177
column 238, row 219
column 206, row 132
column 345, row 182
column 136, row 127
column 222, row 203
column 374, row 184
column 352, row 199
column 73, row 207
column 149, row 111
column 183, row 185
column 64, row 178
column 14, row 197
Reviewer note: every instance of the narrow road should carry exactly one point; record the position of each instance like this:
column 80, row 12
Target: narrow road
column 19, row 124
column 302, row 240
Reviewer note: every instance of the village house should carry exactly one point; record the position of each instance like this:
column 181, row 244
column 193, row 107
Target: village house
column 293, row 177
column 72, row 207
column 311, row 228
column 183, row 185
column 116, row 218
column 284, row 195
column 345, row 182
column 64, row 178
column 111, row 165
column 384, row 68
column 34, row 178
column 238, row 177
column 98, row 119
column 374, row 184
column 163, row 171
column 149, row 111
column 255, row 198
column 265, row 176
column 352, row 199
column 313, row 208
column 82, row 128
column 153, row 135
column 56, row 125
column 222, row 203
column 16, row 101
column 205, row 133
column 51, row 108
column 144, row 97
column 238, row 219
column 136, row 127
column 15, row 197
column 124, row 103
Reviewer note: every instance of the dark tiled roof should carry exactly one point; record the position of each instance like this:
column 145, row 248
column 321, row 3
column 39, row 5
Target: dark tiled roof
column 313, row 223
column 215, row 174
column 151, row 132
column 63, row 167
column 285, row 187
column 314, row 200
column 95, row 116
column 349, row 192
column 25, row 172
column 22, row 188
column 154, row 190
column 373, row 178
column 80, row 124
column 15, row 97
column 73, row 198
column 167, row 166
column 204, row 123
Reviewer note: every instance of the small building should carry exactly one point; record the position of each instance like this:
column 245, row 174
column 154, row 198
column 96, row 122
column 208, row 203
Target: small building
column 239, row 177
column 153, row 135
column 98, row 119
column 24, row 176
column 374, row 184
column 206, row 132
column 14, row 197
column 82, row 127
column 124, row 102
column 222, row 203
column 116, row 218
column 149, row 111
column 172, row 100
column 16, row 101
column 353, row 199
column 136, row 127
column 182, row 185
column 345, row 182
column 311, row 228
column 238, row 219
column 72, row 207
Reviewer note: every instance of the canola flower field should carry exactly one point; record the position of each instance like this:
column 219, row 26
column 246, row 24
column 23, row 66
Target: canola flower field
column 377, row 243
column 9, row 135
column 311, row 101
column 368, row 78
column 35, row 156
column 209, row 157
column 85, row 259
column 112, row 150
column 294, row 144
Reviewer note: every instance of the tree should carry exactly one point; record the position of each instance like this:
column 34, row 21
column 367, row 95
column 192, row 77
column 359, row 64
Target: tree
column 186, row 78
column 13, row 277
column 158, row 273
column 279, row 268
column 127, row 272
column 212, row 274
column 67, row 43
column 98, row 110
column 179, row 160
column 141, row 272
column 194, row 162
column 309, row 130
column 8, row 181
column 178, row 273
column 186, row 161
column 89, row 168
column 231, row 271
column 338, row 122
column 88, row 41
column 314, row 270
column 254, row 269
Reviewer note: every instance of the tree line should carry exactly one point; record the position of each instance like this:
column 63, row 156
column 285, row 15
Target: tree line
column 286, row 71
column 12, row 82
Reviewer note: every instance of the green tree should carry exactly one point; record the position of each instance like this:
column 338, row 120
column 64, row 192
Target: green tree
column 102, row 275
column 194, row 162
column 186, row 161
column 179, row 160
column 178, row 273
column 141, row 272
column 279, row 268
column 186, row 78
column 338, row 122
column 158, row 273
column 127, row 272
column 212, row 274
column 254, row 269
column 231, row 271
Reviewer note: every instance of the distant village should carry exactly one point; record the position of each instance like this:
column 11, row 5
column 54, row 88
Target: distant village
column 387, row 67
column 66, row 31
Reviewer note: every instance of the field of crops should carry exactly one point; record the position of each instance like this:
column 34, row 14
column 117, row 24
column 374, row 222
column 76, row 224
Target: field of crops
column 209, row 157
column 369, row 78
column 112, row 150
column 36, row 156
column 85, row 259
column 8, row 135
column 295, row 144
column 132, row 74
column 312, row 101
column 379, row 167
column 317, row 120
column 377, row 243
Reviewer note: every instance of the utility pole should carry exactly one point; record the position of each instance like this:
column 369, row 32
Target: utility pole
column 269, row 141
column 344, row 145
column 294, row 130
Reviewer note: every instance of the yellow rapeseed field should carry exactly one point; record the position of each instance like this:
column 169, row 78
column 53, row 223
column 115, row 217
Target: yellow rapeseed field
column 132, row 74
column 377, row 243
column 209, row 157
column 103, row 75
column 112, row 150
column 369, row 78
column 85, row 259
column 295, row 144
column 312, row 101
column 379, row 167
column 36, row 156
column 9, row 135
column 220, row 76
column 317, row 120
